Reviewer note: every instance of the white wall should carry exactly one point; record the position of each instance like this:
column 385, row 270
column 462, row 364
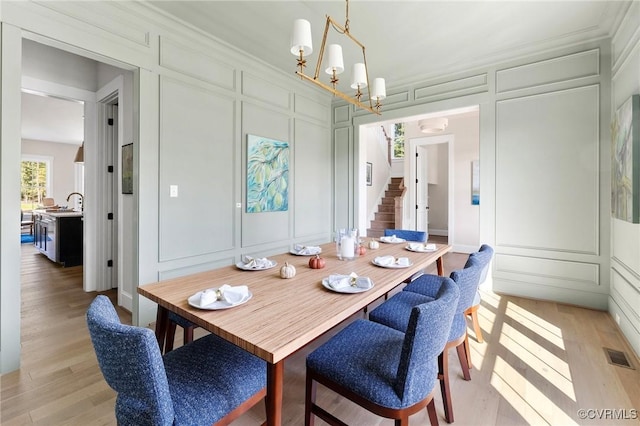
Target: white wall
column 624, row 300
column 62, row 166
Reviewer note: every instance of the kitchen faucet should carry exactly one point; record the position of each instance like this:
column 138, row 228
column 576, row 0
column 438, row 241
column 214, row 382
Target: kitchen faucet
column 81, row 199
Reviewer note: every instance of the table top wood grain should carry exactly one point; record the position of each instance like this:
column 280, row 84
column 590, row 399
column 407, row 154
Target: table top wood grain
column 286, row 314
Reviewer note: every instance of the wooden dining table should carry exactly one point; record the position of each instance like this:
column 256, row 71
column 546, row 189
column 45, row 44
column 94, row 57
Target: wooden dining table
column 284, row 315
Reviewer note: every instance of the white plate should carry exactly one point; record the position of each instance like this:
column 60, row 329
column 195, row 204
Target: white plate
column 424, row 250
column 241, row 265
column 293, row 251
column 388, row 240
column 218, row 304
column 392, row 266
column 350, row 289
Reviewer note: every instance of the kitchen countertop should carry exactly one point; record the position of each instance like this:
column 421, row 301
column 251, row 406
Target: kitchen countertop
column 59, row 213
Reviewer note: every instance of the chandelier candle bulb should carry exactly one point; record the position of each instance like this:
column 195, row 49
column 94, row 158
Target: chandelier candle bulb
column 379, row 91
column 359, row 76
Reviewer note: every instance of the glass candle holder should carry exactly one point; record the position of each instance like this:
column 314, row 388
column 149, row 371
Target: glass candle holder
column 347, row 242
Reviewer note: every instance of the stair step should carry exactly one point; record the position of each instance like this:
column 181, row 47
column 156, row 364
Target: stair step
column 386, row 216
column 388, row 201
column 392, row 193
column 386, row 208
column 383, row 224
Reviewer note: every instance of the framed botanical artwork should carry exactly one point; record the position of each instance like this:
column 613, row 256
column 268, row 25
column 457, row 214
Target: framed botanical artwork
column 369, row 174
column 127, row 169
column 267, row 175
column 625, row 161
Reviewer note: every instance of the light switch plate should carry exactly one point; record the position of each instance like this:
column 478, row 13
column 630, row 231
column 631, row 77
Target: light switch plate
column 173, row 190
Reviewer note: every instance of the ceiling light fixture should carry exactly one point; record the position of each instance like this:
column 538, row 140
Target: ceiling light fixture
column 433, row 125
column 301, row 46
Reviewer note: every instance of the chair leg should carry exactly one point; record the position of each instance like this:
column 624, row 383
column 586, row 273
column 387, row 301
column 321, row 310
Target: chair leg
column 443, row 367
column 464, row 361
column 169, row 337
column 473, row 313
column 309, row 400
column 188, row 335
column 431, row 410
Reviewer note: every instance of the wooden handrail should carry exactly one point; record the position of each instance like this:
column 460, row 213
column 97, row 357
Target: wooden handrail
column 389, row 144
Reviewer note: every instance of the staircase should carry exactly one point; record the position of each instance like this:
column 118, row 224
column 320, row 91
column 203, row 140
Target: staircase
column 385, row 217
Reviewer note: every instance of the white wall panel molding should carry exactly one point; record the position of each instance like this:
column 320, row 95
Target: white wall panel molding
column 259, row 88
column 459, row 87
column 626, row 293
column 548, row 272
column 108, row 16
column 312, row 190
column 395, row 99
column 179, row 271
column 630, row 326
column 341, row 114
column 312, row 108
column 557, row 133
column 626, row 37
column 193, row 60
column 546, row 72
column 343, row 177
column 193, row 120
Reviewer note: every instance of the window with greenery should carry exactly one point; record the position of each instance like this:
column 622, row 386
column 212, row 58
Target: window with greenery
column 34, row 183
column 398, row 140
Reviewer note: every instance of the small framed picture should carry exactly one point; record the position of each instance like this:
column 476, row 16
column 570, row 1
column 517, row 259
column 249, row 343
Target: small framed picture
column 369, row 174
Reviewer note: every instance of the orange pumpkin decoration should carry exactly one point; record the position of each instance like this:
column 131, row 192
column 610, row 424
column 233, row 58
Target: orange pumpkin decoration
column 362, row 250
column 316, row 262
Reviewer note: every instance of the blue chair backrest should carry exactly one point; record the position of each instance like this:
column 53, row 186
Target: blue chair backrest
column 424, row 340
column 409, row 235
column 468, row 280
column 132, row 365
column 484, row 255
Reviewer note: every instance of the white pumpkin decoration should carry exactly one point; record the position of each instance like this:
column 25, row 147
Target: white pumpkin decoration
column 373, row 244
column 287, row 271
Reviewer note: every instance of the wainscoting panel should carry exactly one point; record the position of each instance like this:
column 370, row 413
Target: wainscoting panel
column 197, row 155
column 264, row 90
column 194, row 61
column 564, row 68
column 343, row 177
column 266, row 227
column 312, row 108
column 313, row 198
column 547, row 171
column 462, row 86
column 341, row 114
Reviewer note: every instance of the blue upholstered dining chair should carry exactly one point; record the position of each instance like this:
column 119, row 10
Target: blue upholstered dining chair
column 209, row 381
column 388, row 372
column 484, row 255
column 407, row 234
column 395, row 313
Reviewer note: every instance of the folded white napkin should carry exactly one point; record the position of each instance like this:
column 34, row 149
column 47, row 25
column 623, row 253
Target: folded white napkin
column 429, row 246
column 337, row 281
column 385, row 260
column 227, row 293
column 261, row 262
column 416, row 246
column 391, row 261
column 391, row 239
column 300, row 249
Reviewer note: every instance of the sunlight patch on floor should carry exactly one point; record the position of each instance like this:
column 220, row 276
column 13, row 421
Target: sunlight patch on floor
column 536, row 324
column 547, row 365
column 525, row 398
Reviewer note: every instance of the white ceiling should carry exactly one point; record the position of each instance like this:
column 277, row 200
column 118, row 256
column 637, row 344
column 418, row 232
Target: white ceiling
column 50, row 119
column 405, row 41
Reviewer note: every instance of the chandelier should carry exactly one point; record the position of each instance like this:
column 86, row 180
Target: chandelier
column 302, row 46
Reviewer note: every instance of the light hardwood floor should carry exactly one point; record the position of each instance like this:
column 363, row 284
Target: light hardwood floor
column 541, row 362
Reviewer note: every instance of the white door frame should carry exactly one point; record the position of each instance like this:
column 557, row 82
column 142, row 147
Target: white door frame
column 410, row 177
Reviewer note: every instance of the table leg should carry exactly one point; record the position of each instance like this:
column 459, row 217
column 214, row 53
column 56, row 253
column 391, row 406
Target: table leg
column 275, row 381
column 440, row 266
column 162, row 322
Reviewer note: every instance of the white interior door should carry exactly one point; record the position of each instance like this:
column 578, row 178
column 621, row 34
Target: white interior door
column 422, row 189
